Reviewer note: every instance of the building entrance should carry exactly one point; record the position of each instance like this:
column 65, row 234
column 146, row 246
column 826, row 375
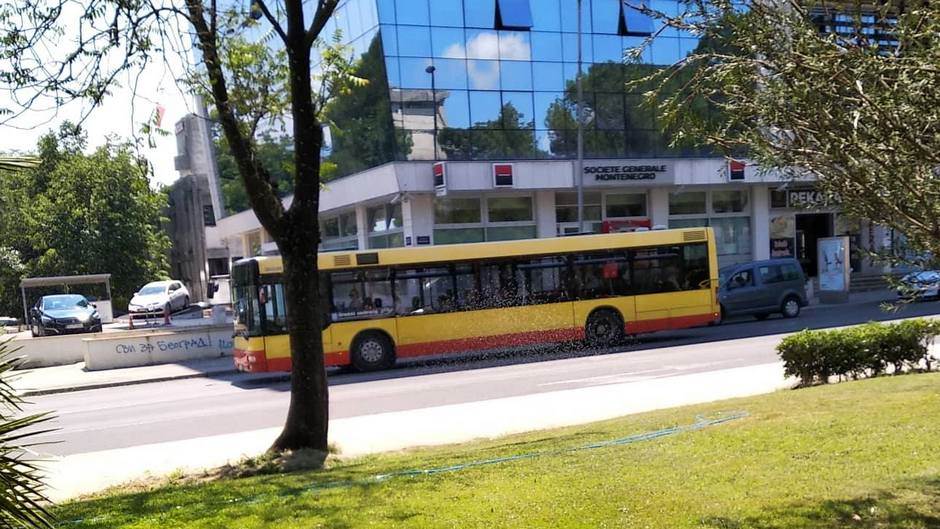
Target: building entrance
column 810, row 227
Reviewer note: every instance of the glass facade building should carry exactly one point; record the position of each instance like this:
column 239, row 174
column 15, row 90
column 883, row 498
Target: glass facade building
column 495, row 80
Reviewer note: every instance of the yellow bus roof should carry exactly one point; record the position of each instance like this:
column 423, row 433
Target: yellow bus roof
column 491, row 250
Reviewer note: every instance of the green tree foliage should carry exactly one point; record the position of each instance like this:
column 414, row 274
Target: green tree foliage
column 858, row 111
column 22, row 498
column 360, row 119
column 275, row 151
column 508, row 136
column 81, row 213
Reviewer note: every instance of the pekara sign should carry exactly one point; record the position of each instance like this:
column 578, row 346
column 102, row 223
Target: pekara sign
column 628, row 172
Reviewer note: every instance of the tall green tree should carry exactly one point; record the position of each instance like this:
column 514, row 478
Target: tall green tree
column 847, row 94
column 253, row 65
column 81, row 213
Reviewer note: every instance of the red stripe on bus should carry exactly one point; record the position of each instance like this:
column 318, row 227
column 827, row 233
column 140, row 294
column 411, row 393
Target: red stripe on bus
column 676, row 322
column 489, row 342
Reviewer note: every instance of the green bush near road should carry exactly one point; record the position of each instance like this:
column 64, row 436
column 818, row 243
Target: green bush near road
column 866, row 350
column 861, row 455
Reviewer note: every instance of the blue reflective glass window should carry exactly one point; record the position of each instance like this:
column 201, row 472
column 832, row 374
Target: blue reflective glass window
column 414, row 41
column 687, row 46
column 637, row 22
column 391, row 69
column 448, row 42
column 547, row 76
column 669, row 8
column 630, row 43
column 522, row 103
column 412, row 12
column 484, row 107
column 570, row 44
column 370, row 18
column 546, row 16
column 569, row 15
column 389, row 40
column 455, row 109
column 605, row 16
column 515, row 13
column 480, row 13
column 450, row 73
column 482, row 44
column 514, row 46
column 551, row 112
column 356, row 25
column 607, row 48
column 515, row 75
column 386, row 11
column 341, row 19
column 447, row 13
column 604, row 144
column 394, row 98
column 665, row 50
column 608, row 111
column 483, row 75
column 413, row 73
column 546, row 46
column 571, row 73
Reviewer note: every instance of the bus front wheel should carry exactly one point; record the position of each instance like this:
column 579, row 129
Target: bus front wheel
column 604, row 328
column 372, row 351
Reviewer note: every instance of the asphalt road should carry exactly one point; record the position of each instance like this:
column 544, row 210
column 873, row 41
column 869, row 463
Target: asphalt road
column 102, row 419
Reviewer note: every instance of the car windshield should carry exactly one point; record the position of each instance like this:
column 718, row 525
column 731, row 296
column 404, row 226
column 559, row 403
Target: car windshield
column 63, row 302
column 724, row 274
column 150, row 290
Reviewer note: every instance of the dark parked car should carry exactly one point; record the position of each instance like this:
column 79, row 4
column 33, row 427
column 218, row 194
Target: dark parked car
column 763, row 288
column 63, row 314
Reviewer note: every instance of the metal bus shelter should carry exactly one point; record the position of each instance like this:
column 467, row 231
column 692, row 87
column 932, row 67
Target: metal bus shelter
column 64, row 282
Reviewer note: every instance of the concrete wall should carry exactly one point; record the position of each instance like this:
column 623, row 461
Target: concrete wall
column 50, row 350
column 113, row 350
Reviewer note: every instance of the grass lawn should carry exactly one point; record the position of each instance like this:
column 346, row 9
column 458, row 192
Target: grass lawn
column 859, row 454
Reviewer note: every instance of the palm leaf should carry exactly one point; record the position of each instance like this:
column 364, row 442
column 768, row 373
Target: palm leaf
column 22, row 495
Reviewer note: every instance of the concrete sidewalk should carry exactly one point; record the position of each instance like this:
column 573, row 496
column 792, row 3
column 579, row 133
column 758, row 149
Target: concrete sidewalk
column 74, row 475
column 74, row 377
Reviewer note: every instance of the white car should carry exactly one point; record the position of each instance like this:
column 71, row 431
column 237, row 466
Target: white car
column 153, row 297
column 920, row 285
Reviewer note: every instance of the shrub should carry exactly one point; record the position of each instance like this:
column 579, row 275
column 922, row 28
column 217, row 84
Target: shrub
column 866, row 350
column 21, row 496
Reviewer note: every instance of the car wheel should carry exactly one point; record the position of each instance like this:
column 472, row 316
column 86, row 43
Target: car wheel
column 604, row 328
column 185, row 303
column 34, row 330
column 790, row 307
column 372, row 351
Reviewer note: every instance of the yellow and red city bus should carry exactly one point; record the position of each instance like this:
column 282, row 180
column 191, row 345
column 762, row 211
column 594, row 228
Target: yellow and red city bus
column 432, row 300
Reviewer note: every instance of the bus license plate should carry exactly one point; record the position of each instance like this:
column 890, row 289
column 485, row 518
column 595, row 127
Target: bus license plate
column 74, row 326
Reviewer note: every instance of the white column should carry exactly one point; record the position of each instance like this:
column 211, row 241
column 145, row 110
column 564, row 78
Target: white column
column 545, row 214
column 659, row 206
column 760, row 222
column 362, row 226
column 419, row 219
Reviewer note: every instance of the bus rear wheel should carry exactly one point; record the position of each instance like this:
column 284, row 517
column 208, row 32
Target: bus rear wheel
column 372, row 351
column 604, row 328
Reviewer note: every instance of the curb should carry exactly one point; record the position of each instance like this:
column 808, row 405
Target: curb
column 274, row 377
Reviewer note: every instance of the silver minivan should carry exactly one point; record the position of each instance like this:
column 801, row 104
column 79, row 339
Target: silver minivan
column 762, row 288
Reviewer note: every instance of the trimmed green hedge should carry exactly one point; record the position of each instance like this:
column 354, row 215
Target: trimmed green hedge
column 866, row 350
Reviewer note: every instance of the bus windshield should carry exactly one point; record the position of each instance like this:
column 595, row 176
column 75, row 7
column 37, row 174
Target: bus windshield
column 247, row 312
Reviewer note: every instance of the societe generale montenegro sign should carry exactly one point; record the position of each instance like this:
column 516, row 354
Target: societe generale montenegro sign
column 627, row 172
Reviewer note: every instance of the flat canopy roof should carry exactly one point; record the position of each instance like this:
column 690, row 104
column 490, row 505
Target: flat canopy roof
column 64, row 280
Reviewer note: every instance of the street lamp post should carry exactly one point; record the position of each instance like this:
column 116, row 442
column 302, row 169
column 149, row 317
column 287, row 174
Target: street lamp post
column 431, row 69
column 579, row 170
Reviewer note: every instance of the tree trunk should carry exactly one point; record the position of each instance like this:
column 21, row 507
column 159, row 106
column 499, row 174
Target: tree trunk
column 308, row 415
